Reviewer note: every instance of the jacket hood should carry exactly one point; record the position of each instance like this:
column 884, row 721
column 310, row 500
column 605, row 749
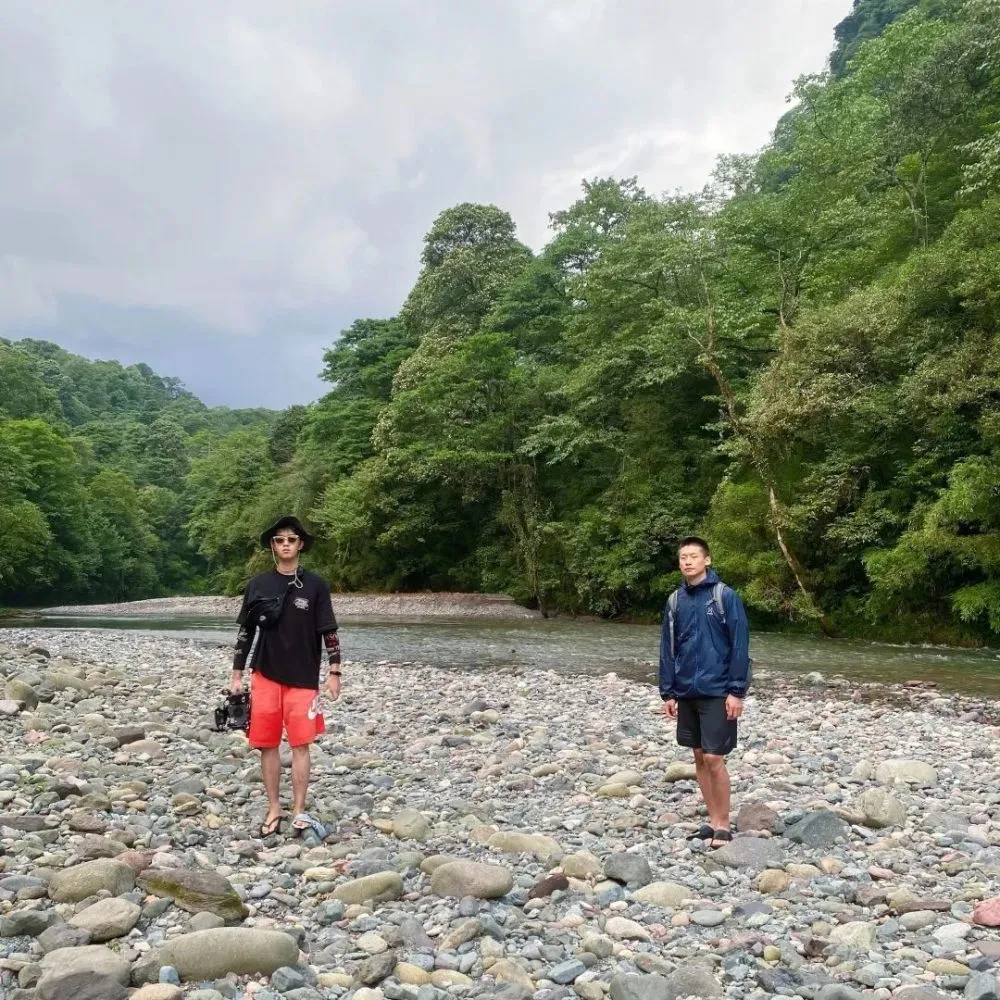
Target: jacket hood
column 711, row 579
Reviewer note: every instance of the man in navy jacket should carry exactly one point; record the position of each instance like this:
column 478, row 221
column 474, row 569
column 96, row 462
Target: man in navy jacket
column 704, row 674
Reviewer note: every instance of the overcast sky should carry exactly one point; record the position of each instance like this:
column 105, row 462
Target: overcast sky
column 218, row 187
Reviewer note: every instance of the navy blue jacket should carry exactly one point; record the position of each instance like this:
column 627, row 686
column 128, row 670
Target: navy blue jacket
column 711, row 660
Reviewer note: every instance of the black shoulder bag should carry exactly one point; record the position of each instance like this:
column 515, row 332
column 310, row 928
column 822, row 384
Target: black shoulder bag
column 265, row 612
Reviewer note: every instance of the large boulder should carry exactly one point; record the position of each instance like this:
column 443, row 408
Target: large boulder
column 749, row 852
column 669, row 895
column 21, row 691
column 377, row 888
column 70, row 885
column 757, row 817
column 107, row 919
column 819, row 829
column 194, row 891
column 688, row 980
column 27, row 923
column 880, row 809
column 633, row 987
column 214, row 954
column 512, row 842
column 410, row 824
column 910, row 772
column 582, row 865
column 628, row 868
column 856, row 934
column 81, row 986
column 94, row 959
column 472, row 878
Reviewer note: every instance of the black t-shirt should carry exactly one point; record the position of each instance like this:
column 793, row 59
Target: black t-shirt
column 290, row 653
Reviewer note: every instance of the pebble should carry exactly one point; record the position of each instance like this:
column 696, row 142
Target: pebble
column 509, row 840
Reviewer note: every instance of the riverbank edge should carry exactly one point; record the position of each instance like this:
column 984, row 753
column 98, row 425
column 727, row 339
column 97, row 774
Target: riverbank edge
column 471, row 605
column 426, row 604
column 911, row 696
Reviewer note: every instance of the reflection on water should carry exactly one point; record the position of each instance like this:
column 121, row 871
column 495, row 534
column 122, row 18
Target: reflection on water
column 589, row 647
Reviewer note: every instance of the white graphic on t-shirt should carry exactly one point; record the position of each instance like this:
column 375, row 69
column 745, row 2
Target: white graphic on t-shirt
column 302, row 603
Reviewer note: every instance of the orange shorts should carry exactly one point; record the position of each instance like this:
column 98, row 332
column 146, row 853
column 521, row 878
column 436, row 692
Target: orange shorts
column 274, row 707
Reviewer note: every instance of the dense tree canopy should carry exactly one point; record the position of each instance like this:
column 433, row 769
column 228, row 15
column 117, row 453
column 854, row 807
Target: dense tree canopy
column 94, row 466
column 800, row 361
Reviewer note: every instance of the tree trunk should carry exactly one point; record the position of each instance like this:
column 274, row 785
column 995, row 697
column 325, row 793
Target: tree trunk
column 758, row 457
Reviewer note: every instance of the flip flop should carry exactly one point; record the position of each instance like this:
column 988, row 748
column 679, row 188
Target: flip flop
column 723, row 836
column 303, row 821
column 704, row 832
column 271, row 826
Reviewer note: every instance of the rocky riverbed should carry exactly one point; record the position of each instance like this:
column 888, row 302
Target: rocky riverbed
column 488, row 835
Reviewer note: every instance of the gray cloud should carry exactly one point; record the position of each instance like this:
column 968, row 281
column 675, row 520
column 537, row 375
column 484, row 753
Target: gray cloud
column 244, row 174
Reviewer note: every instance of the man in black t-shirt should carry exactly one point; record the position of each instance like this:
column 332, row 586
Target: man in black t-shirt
column 290, row 610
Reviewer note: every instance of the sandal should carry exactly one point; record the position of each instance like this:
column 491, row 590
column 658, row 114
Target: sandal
column 271, row 826
column 722, row 836
column 705, row 832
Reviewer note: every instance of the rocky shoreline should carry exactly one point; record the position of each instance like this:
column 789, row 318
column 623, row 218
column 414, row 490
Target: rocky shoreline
column 418, row 605
column 488, row 835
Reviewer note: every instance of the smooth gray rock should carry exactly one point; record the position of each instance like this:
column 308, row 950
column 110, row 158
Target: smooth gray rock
column 194, row 891
column 20, row 690
column 472, row 878
column 81, row 986
column 373, row 970
column 631, row 987
column 819, row 829
column 838, row 991
column 694, row 980
column 917, row 773
column 568, row 972
column 71, row 885
column 213, row 954
column 27, row 923
column 880, row 809
column 91, row 959
column 27, row 824
column 383, row 886
column 629, row 869
column 107, row 919
column 981, row 986
column 749, row 852
column 63, row 936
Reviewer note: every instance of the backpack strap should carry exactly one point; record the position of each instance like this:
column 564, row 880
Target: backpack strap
column 672, row 618
column 718, row 591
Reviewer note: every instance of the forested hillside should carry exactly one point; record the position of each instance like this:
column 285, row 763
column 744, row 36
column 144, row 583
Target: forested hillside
column 94, row 459
column 800, row 361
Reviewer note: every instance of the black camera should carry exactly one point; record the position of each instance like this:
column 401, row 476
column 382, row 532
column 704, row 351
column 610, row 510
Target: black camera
column 234, row 712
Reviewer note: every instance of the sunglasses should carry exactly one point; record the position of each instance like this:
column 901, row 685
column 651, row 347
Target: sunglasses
column 285, row 539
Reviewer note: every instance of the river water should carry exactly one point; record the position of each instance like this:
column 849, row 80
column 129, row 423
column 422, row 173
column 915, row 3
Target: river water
column 591, row 648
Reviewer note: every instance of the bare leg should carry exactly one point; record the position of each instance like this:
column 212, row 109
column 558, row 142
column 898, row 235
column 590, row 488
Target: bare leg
column 704, row 782
column 718, row 781
column 300, row 778
column 270, row 770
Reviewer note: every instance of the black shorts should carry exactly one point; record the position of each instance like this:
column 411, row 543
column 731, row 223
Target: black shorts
column 702, row 725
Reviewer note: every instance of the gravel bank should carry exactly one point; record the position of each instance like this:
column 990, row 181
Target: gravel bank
column 488, row 836
column 444, row 605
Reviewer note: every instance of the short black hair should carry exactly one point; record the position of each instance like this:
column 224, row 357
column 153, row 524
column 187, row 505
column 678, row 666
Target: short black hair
column 695, row 540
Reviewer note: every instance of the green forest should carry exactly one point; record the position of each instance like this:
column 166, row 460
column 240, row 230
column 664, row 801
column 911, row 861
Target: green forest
column 800, row 362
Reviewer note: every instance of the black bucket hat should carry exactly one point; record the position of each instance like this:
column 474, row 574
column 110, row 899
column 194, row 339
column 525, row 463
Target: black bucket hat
column 286, row 522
